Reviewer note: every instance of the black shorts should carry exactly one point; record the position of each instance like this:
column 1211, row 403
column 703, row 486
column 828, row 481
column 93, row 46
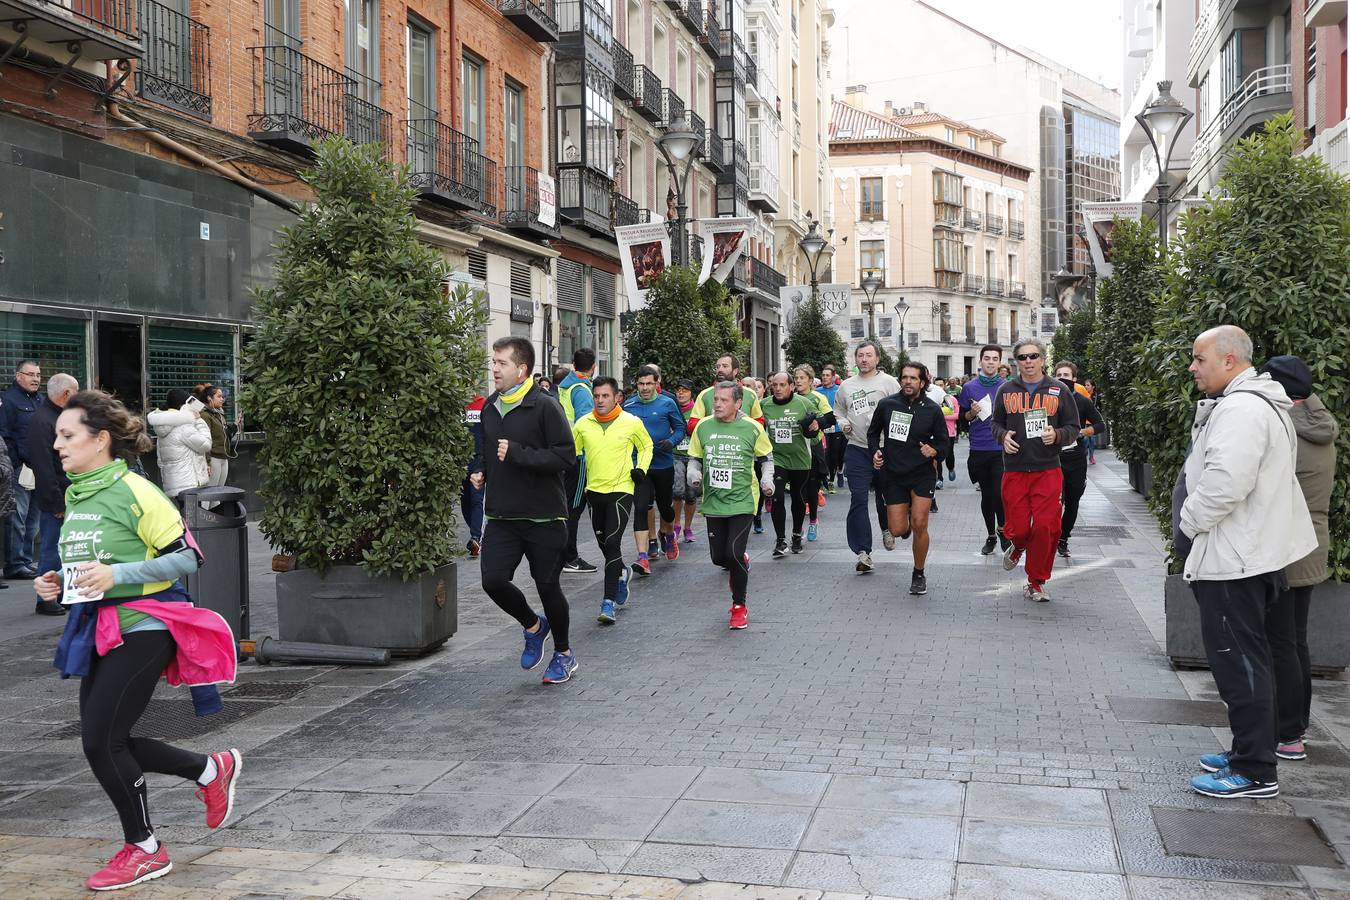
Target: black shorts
column 897, row 489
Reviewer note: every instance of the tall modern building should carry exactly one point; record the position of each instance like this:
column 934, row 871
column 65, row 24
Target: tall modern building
column 1156, row 42
column 1091, row 174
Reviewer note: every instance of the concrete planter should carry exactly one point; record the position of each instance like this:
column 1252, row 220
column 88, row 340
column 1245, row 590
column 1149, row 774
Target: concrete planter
column 1132, row 473
column 1328, row 627
column 350, row 607
column 1145, row 487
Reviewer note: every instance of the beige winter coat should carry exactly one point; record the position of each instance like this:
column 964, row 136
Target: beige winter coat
column 1316, row 469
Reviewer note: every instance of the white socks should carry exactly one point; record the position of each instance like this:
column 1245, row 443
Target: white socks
column 149, row 845
column 209, row 773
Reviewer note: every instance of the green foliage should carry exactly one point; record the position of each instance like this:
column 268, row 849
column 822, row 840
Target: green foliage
column 359, row 374
column 1072, row 339
column 673, row 331
column 813, row 341
column 1271, row 254
column 1125, row 312
column 720, row 309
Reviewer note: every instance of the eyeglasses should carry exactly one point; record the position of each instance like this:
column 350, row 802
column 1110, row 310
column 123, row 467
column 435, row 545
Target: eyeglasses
column 1023, row 357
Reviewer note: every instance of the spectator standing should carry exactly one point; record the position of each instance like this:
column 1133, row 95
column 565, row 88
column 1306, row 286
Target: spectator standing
column 50, row 481
column 183, row 441
column 18, row 404
column 221, row 452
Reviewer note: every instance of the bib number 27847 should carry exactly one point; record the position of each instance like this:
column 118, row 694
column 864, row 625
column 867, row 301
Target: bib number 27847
column 1037, row 422
column 720, row 477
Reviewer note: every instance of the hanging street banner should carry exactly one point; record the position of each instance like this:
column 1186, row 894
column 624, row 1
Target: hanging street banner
column 724, row 241
column 548, row 200
column 1099, row 224
column 644, row 251
column 835, row 301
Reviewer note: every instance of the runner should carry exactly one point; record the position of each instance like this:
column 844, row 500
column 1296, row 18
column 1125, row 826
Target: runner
column 907, row 435
column 528, row 448
column 935, row 393
column 728, row 369
column 834, row 438
column 727, row 446
column 574, row 393
column 1073, row 460
column 853, row 407
column 754, row 388
column 804, row 378
column 789, row 421
column 611, row 438
column 985, row 463
column 686, row 498
column 665, row 424
column 1034, row 416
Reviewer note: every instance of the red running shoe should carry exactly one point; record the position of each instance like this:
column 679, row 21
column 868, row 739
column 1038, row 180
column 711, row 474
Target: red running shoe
column 219, row 794
column 740, row 617
column 130, row 865
column 672, row 543
column 642, row 568
column 820, row 499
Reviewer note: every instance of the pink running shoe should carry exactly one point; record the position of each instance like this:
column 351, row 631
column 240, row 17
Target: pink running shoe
column 130, row 865
column 219, row 794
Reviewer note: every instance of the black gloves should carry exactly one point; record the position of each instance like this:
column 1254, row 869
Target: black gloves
column 638, row 476
column 807, row 421
column 665, row 446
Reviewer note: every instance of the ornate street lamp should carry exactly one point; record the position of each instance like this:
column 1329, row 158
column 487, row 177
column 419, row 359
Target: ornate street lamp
column 870, row 284
column 677, row 146
column 814, row 245
column 1162, row 121
column 902, row 310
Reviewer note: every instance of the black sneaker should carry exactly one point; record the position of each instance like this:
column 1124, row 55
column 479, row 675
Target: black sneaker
column 918, row 584
column 1064, row 547
column 780, row 549
column 49, row 608
column 579, row 566
column 1003, row 542
column 796, row 543
column 934, row 507
column 988, row 547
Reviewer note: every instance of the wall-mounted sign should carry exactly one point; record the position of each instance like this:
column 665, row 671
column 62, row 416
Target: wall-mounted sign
column 522, row 310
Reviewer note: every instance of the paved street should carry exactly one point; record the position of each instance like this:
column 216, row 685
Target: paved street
column 854, row 739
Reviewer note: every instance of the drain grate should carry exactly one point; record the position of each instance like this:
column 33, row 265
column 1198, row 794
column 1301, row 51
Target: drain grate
column 174, row 720
column 1249, row 837
column 1115, row 532
column 267, row 690
column 1205, row 713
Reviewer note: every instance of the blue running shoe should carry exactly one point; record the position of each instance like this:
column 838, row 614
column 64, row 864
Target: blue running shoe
column 1213, row 762
column 951, row 474
column 534, row 645
column 811, row 532
column 1226, row 783
column 607, row 615
column 561, row 669
column 621, row 595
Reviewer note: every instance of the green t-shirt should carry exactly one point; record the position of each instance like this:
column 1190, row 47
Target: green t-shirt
column 728, row 451
column 750, row 405
column 791, row 449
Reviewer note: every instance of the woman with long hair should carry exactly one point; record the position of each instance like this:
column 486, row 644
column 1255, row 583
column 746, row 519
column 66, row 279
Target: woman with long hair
column 213, row 414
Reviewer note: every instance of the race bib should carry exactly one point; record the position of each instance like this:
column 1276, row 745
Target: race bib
column 473, row 416
column 859, row 404
column 1037, row 422
column 782, row 432
column 683, row 445
column 719, row 477
column 70, row 595
column 899, row 427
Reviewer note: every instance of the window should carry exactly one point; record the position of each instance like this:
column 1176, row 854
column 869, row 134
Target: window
column 944, row 367
column 871, row 195
column 947, row 196
column 187, row 357
column 57, row 344
column 872, row 258
column 1013, row 333
column 514, row 116
column 1012, row 267
column 949, row 134
column 948, row 255
column 1243, row 54
column 362, row 26
column 973, row 142
column 282, row 18
column 474, row 120
column 421, row 72
column 584, row 100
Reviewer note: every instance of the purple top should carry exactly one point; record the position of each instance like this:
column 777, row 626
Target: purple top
column 981, row 434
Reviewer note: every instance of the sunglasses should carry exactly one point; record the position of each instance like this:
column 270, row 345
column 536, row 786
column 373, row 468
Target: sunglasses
column 1023, row 357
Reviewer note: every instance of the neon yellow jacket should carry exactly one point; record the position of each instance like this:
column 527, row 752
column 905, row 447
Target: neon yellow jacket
column 609, row 450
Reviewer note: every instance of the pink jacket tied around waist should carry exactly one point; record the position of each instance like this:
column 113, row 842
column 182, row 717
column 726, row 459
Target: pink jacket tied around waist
column 206, row 649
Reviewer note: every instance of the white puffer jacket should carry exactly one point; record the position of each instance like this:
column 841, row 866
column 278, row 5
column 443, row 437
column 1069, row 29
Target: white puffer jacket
column 182, row 443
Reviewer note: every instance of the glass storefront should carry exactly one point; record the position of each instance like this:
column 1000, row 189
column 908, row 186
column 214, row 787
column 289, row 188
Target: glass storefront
column 58, row 345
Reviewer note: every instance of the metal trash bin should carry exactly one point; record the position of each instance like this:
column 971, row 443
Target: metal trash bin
column 221, row 584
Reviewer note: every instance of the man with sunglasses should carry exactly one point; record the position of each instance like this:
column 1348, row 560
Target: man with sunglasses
column 1034, row 417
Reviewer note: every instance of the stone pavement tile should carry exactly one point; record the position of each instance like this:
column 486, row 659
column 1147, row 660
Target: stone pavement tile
column 492, row 876
column 759, row 786
column 1333, row 818
column 592, row 884
column 273, row 772
column 22, row 886
column 39, row 767
column 695, row 862
column 61, row 803
column 1145, row 888
column 1081, row 848
column 1328, row 879
column 272, row 860
column 1076, row 806
column 604, row 818
column 918, row 879
column 916, row 795
column 182, row 806
column 266, row 839
column 733, row 825
column 31, row 863
column 491, row 777
column 627, row 781
column 1012, row 883
column 395, row 889
column 384, row 776
column 305, row 884
column 323, row 811
column 718, row 890
column 875, row 833
column 470, row 814
column 374, row 867
column 568, row 854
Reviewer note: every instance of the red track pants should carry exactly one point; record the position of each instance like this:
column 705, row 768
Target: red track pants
column 1032, row 510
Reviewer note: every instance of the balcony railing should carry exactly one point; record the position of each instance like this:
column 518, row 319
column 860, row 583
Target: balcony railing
column 101, row 29
column 694, row 18
column 869, row 211
column 1261, row 83
column 732, row 58
column 993, row 224
column 296, row 99
column 1014, row 336
column 1017, row 289
column 588, row 18
column 585, row 198
column 763, row 189
column 945, row 333
column 520, row 202
column 1017, row 229
column 1205, row 21
column 970, row 334
column 445, row 165
column 1332, row 146
column 972, row 284
column 176, row 68
column 751, row 73
column 995, row 286
column 765, row 278
column 625, row 210
column 647, row 93
column 993, row 336
column 672, row 109
column 711, row 39
column 623, row 72
column 364, row 121
column 714, row 151
column 537, row 18
column 694, row 122
column 972, row 219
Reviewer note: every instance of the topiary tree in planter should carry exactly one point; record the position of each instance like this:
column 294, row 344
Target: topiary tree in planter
column 813, row 341
column 672, row 330
column 359, row 374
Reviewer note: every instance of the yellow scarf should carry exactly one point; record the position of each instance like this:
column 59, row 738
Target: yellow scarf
column 517, row 393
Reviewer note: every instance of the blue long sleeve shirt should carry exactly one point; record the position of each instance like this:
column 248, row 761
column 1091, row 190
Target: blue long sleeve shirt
column 664, row 421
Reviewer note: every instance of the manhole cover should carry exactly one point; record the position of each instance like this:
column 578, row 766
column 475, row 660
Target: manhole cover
column 266, row 690
column 1249, row 837
column 174, row 720
column 1206, row 713
column 1115, row 532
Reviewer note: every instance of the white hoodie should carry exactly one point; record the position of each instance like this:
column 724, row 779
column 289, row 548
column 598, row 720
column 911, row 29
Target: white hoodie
column 182, row 444
column 1244, row 508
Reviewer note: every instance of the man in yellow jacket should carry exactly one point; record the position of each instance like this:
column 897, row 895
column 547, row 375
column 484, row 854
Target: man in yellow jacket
column 618, row 451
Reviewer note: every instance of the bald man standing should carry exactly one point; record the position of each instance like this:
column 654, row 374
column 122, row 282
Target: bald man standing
column 1238, row 518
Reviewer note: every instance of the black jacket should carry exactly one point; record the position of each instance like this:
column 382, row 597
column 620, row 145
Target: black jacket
column 903, row 458
column 1011, row 406
column 48, row 474
column 17, row 408
column 1087, row 415
column 528, row 484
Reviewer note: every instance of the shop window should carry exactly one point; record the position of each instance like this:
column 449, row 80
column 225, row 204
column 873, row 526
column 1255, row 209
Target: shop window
column 188, row 357
column 57, row 344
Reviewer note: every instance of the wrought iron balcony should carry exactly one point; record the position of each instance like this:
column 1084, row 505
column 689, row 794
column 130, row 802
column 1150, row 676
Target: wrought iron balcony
column 996, row 286
column 735, row 163
column 945, row 333
column 694, row 17
column 445, row 165
column 993, row 336
column 714, row 151
column 625, row 211
column 623, row 72
column 520, row 203
column 1016, row 229
column 751, row 73
column 1014, row 336
column 296, row 99
column 972, row 284
column 970, row 335
column 738, row 279
column 585, row 199
column 1016, row 289
column 672, row 109
column 765, row 278
column 79, row 29
column 537, row 18
column 366, row 122
column 176, row 68
column 694, row 122
column 993, row 224
column 711, row 39
column 972, row 219
column 732, row 58
column 647, row 93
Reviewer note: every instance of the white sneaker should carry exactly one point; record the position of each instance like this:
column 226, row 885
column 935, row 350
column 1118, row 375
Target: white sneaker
column 864, row 565
column 888, row 540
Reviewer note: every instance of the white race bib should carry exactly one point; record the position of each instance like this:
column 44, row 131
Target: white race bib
column 782, row 432
column 719, row 477
column 1037, row 422
column 70, row 595
column 899, row 427
column 683, row 445
column 859, row 405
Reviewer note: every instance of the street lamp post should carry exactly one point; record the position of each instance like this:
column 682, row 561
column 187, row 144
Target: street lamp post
column 677, row 146
column 870, row 284
column 1162, row 121
column 813, row 246
column 902, row 310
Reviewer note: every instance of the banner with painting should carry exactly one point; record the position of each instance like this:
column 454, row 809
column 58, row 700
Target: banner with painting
column 724, row 242
column 644, row 251
column 1099, row 224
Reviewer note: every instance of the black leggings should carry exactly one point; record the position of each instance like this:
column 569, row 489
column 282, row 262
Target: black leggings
column 950, row 459
column 727, row 537
column 609, row 518
column 1075, row 483
column 835, row 442
column 658, row 488
column 986, row 470
column 794, row 480
column 113, row 696
column 505, row 543
column 759, row 503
